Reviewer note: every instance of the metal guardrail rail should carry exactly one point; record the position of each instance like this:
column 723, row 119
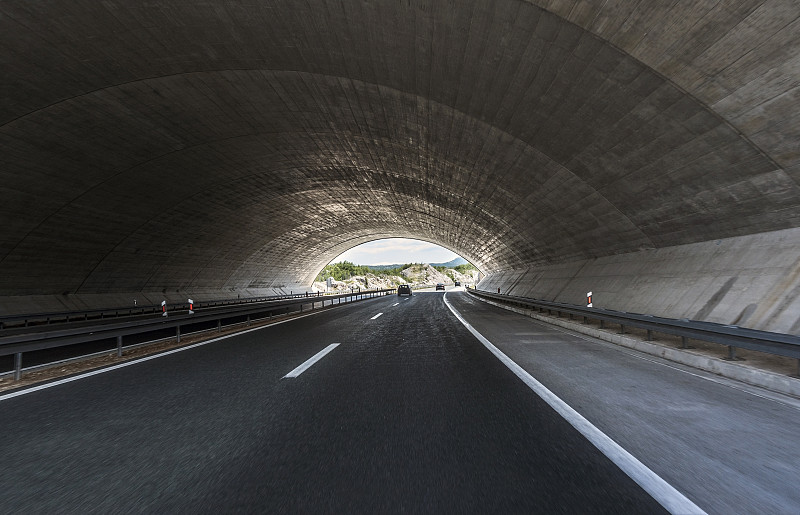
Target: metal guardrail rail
column 732, row 336
column 47, row 318
column 18, row 344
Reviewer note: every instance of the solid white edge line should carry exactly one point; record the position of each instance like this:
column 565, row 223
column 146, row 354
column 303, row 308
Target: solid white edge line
column 140, row 360
column 680, row 367
column 664, row 493
column 376, row 316
column 310, row 361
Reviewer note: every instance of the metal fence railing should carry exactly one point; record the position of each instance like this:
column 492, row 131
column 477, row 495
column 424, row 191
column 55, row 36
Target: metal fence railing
column 60, row 317
column 44, row 337
column 733, row 337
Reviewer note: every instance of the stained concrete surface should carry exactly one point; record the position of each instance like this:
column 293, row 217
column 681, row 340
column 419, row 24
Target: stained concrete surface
column 175, row 148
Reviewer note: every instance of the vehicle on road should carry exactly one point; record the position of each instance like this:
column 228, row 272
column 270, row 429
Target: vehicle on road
column 458, row 283
column 404, row 289
column 439, row 286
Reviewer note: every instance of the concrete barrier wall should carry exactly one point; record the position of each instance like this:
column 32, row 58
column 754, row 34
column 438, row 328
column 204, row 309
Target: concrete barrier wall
column 751, row 281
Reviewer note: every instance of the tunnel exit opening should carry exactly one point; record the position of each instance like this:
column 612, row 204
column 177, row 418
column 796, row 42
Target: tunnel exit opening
column 390, row 262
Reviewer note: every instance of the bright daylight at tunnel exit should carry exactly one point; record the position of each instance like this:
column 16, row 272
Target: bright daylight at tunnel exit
column 391, row 262
column 381, row 256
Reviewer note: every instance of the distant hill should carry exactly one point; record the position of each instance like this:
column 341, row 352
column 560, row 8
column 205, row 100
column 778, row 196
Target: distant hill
column 385, row 267
column 450, row 264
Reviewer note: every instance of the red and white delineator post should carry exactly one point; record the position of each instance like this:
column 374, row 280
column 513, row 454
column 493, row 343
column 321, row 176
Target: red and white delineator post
column 191, row 307
column 589, row 300
column 163, row 308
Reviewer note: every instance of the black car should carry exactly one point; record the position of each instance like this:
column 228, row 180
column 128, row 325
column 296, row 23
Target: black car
column 458, row 283
column 439, row 286
column 404, row 289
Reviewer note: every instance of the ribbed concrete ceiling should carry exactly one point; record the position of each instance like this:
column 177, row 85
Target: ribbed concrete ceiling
column 222, row 145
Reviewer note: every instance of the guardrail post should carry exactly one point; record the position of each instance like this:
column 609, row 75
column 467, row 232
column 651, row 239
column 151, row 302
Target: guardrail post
column 621, row 328
column 732, row 354
column 17, row 366
column 649, row 335
column 602, row 323
column 219, row 325
column 178, row 333
column 248, row 320
column 585, row 320
column 119, row 346
column 684, row 342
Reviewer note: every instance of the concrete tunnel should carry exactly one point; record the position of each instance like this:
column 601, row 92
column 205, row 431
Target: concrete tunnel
column 646, row 151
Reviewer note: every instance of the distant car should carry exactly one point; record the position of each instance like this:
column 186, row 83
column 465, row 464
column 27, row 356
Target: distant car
column 458, row 283
column 404, row 289
column 439, row 286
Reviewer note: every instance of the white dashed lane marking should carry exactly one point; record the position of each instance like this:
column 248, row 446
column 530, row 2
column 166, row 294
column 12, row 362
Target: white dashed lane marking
column 310, row 361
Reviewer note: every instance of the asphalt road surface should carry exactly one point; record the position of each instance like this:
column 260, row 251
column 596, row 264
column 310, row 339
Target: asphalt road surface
column 409, row 413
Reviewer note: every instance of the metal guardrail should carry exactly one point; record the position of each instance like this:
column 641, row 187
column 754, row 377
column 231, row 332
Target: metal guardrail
column 47, row 318
column 732, row 336
column 19, row 344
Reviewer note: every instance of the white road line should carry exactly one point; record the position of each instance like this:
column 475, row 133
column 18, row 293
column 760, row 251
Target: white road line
column 376, row 316
column 666, row 495
column 395, row 304
column 310, row 361
column 146, row 358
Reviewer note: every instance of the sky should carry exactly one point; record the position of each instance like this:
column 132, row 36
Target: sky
column 393, row 251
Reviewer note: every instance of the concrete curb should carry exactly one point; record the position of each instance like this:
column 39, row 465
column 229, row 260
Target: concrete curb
column 770, row 380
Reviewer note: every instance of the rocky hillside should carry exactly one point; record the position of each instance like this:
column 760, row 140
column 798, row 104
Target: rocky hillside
column 416, row 275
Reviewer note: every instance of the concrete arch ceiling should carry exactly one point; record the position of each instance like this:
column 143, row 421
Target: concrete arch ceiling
column 229, row 145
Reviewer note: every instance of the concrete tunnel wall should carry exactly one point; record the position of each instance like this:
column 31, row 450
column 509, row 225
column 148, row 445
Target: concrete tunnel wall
column 179, row 149
column 751, row 281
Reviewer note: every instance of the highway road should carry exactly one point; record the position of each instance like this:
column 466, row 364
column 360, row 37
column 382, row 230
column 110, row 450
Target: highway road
column 408, row 413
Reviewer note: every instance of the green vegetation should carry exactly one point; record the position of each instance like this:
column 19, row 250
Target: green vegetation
column 463, row 269
column 345, row 270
